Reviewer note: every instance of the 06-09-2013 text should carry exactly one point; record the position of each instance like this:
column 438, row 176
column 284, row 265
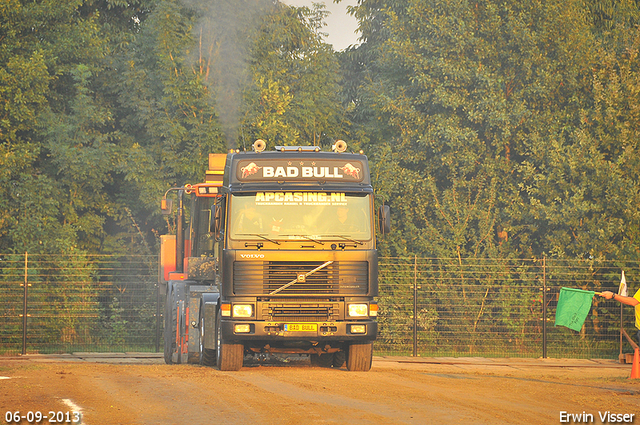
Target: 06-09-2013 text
column 45, row 417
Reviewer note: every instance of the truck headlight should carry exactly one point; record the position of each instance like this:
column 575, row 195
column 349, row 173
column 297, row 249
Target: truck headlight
column 243, row 310
column 358, row 310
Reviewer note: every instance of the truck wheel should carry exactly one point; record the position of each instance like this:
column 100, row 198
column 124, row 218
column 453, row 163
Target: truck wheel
column 207, row 355
column 339, row 358
column 322, row 360
column 360, row 357
column 170, row 318
column 228, row 356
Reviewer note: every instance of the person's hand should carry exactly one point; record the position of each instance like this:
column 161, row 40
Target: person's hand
column 607, row 294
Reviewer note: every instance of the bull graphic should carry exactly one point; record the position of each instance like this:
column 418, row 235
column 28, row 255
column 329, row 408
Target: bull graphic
column 249, row 170
column 350, row 170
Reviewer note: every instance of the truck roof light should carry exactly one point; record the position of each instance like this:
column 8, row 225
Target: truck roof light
column 339, row 146
column 259, row 145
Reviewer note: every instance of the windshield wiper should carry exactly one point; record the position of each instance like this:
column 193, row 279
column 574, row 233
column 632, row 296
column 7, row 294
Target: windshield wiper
column 305, row 237
column 260, row 236
column 345, row 238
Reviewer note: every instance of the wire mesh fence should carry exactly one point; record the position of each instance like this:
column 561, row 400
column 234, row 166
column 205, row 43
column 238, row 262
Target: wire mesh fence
column 496, row 307
column 77, row 303
column 428, row 306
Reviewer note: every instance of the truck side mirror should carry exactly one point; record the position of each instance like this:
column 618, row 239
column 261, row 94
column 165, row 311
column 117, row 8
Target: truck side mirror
column 384, row 219
column 166, row 206
column 215, row 218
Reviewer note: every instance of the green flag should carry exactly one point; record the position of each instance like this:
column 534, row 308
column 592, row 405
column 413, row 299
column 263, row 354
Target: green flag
column 573, row 307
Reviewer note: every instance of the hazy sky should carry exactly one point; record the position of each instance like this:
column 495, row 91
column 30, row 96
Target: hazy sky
column 340, row 26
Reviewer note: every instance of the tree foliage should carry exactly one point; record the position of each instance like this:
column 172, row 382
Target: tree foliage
column 484, row 108
column 293, row 96
column 48, row 49
column 495, row 129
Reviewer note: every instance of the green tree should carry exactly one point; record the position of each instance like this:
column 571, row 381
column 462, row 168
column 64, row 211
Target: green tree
column 293, row 95
column 45, row 49
column 610, row 15
column 166, row 108
column 612, row 126
column 470, row 99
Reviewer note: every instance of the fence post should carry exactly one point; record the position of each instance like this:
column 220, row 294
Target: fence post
column 544, row 307
column 620, row 356
column 24, row 305
column 415, row 306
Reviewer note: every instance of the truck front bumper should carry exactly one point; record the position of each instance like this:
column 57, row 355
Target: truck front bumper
column 243, row 330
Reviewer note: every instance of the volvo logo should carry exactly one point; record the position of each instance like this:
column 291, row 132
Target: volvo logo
column 252, row 256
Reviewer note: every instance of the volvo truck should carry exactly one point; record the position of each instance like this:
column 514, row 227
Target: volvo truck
column 274, row 253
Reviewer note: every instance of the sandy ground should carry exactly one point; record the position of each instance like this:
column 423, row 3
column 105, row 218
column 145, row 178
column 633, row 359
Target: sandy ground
column 140, row 389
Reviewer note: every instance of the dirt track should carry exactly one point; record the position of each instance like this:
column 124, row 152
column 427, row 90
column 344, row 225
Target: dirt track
column 397, row 390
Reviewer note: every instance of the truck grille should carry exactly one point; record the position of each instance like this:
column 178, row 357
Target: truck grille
column 303, row 312
column 264, row 277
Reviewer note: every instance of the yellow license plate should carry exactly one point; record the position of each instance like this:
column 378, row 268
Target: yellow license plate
column 300, row 327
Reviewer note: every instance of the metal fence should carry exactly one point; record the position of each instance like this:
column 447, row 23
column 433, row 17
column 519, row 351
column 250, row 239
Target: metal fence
column 78, row 303
column 497, row 307
column 428, row 306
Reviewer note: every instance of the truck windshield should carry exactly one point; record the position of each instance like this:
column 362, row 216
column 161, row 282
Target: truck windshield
column 315, row 216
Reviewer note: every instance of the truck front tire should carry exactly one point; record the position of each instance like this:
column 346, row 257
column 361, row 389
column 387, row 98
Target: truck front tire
column 360, row 357
column 229, row 357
